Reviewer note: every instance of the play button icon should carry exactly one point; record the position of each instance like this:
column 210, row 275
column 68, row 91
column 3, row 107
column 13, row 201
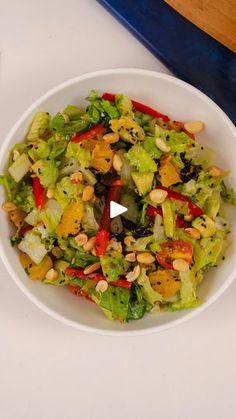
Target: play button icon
column 116, row 209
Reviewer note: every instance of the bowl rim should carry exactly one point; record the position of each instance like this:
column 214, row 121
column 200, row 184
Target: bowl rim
column 3, row 255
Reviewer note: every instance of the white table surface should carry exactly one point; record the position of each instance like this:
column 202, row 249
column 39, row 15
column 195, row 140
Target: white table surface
column 48, row 370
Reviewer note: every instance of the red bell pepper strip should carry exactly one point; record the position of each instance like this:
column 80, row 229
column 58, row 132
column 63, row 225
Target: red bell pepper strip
column 194, row 209
column 152, row 211
column 139, row 106
column 122, row 283
column 78, row 273
column 39, row 193
column 88, row 135
column 102, row 237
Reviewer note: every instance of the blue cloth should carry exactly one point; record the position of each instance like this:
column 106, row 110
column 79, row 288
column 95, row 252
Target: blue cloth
column 188, row 52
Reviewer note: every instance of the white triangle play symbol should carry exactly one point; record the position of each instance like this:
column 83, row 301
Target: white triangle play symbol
column 116, row 209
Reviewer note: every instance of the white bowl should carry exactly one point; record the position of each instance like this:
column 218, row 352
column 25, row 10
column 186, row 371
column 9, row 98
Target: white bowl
column 180, row 101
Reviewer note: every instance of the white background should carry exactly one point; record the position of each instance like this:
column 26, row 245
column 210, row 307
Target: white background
column 48, row 370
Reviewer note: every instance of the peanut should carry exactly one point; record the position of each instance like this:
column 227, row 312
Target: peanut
column 88, row 193
column 145, row 258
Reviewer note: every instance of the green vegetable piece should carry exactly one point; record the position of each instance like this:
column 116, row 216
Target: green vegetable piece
column 62, row 279
column 139, row 158
column 73, row 112
column 188, row 295
column 24, row 198
column 116, row 300
column 32, row 245
column 205, row 225
column 228, row 195
column 47, row 172
column 39, row 126
column 81, row 154
column 138, row 305
column 207, row 252
column 51, row 215
column 143, row 181
column 71, row 127
column 168, row 218
column 178, row 141
column 10, row 186
column 149, row 293
column 83, row 259
column 124, row 105
column 113, row 265
column 39, row 150
column 20, row 167
column 151, row 148
column 212, row 205
column 65, row 191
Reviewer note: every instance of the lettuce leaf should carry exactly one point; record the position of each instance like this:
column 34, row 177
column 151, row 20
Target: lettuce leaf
column 73, row 112
column 10, row 186
column 228, row 194
column 149, row 293
column 39, row 126
column 100, row 108
column 39, row 150
column 32, row 245
column 138, row 305
column 139, row 158
column 178, row 141
column 83, row 259
column 188, row 295
column 207, row 252
column 89, row 221
column 47, row 172
column 66, row 128
column 81, row 154
column 65, row 191
column 24, row 198
column 150, row 146
column 116, row 300
column 113, row 265
column 51, row 215
column 124, row 105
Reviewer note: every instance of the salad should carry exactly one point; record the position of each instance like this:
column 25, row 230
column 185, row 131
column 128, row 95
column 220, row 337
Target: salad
column 61, row 180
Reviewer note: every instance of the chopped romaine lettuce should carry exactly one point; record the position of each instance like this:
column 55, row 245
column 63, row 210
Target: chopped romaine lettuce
column 124, row 105
column 207, row 251
column 73, row 112
column 116, row 300
column 178, row 141
column 113, row 265
column 20, row 167
column 39, row 126
column 24, row 199
column 10, row 186
column 138, row 305
column 51, row 215
column 151, row 296
column 47, row 172
column 65, row 191
column 83, row 259
column 81, row 154
column 39, row 150
column 89, row 221
column 59, row 124
column 140, row 158
column 188, row 294
column 150, row 146
column 228, row 194
column 32, row 245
